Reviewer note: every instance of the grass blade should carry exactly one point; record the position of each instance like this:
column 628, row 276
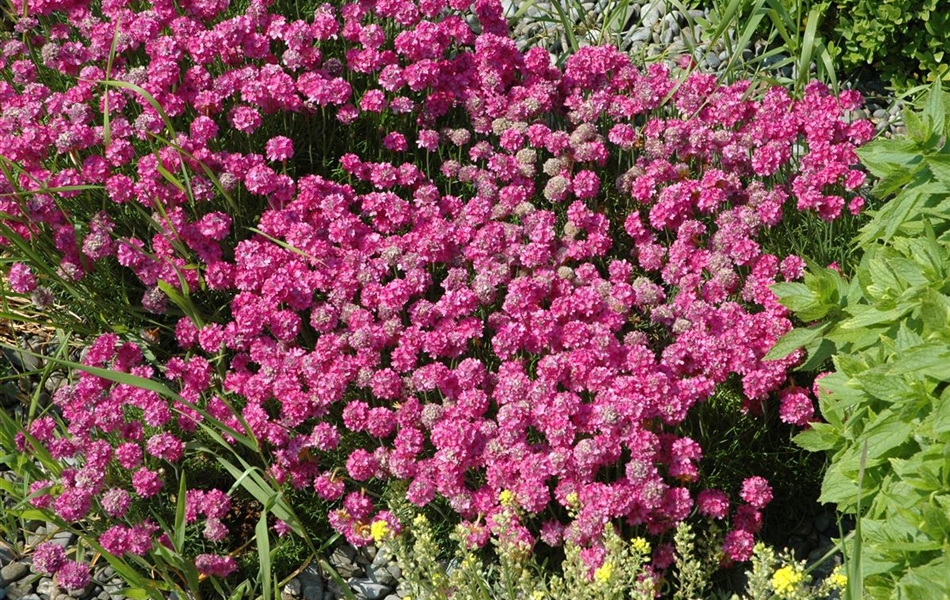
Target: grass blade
column 263, row 554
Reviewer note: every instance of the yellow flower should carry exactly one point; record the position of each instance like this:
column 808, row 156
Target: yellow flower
column 379, row 530
column 640, row 546
column 537, row 595
column 420, row 520
column 838, row 579
column 785, row 580
column 603, row 573
column 572, row 500
column 506, row 497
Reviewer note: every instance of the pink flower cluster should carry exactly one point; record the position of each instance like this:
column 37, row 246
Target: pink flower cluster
column 49, row 558
column 536, row 313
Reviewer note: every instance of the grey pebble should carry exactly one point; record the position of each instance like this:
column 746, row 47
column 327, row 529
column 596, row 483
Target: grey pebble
column 46, row 587
column 311, row 583
column 879, row 113
column 641, row 35
column 293, row 587
column 712, row 60
column 365, row 588
column 6, row 555
column 14, row 571
column 19, row 589
column 342, row 560
column 653, row 12
column 313, row 592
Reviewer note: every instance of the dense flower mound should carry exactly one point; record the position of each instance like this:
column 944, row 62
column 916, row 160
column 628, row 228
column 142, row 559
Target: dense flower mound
column 524, row 288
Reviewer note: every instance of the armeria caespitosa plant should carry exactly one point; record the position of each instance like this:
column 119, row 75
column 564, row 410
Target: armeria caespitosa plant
column 390, row 245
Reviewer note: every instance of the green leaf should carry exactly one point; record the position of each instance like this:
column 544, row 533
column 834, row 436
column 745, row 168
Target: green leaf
column 178, row 535
column 819, row 437
column 818, row 353
column 886, row 432
column 795, row 339
column 884, row 157
column 263, row 555
column 866, row 316
column 939, row 165
column 936, row 110
column 931, row 359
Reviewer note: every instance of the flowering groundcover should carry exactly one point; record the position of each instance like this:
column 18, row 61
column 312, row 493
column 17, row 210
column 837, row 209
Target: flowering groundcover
column 497, row 279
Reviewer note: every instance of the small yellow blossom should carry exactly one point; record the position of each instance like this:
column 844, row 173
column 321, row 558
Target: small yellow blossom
column 573, row 500
column 379, row 530
column 506, row 497
column 838, row 579
column 420, row 520
column 785, row 580
column 537, row 595
column 603, row 573
column 640, row 546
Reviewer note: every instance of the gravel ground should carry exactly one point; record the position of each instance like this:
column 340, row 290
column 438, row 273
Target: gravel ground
column 651, row 30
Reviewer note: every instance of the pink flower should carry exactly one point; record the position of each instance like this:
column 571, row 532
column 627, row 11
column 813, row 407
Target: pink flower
column 713, row 503
column 73, row 575
column 214, row 565
column 21, row 279
column 115, row 502
column 756, row 491
column 395, row 142
column 48, row 558
column 146, row 483
column 738, row 545
column 279, row 148
column 796, row 407
column 244, row 119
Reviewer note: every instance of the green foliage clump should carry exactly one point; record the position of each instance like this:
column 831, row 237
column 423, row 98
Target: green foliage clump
column 887, row 401
column 903, row 40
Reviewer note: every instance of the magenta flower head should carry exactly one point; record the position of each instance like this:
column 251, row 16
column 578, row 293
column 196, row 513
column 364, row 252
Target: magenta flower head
column 279, row 148
column 756, row 491
column 214, row 565
column 21, row 279
column 713, row 503
column 48, row 558
column 738, row 545
column 73, row 575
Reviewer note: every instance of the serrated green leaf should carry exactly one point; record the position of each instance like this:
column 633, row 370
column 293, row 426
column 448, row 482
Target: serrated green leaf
column 917, row 128
column 884, row 157
column 866, row 316
column 795, row 339
column 928, row 359
column 819, row 437
column 818, row 353
column 936, row 110
column 886, row 432
column 795, row 296
column 939, row 165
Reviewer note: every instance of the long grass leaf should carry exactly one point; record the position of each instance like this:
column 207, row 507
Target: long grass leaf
column 263, row 555
column 808, row 47
column 178, row 535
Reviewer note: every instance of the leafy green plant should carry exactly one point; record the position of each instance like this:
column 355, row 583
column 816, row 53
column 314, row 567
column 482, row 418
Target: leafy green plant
column 887, row 402
column 904, row 40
